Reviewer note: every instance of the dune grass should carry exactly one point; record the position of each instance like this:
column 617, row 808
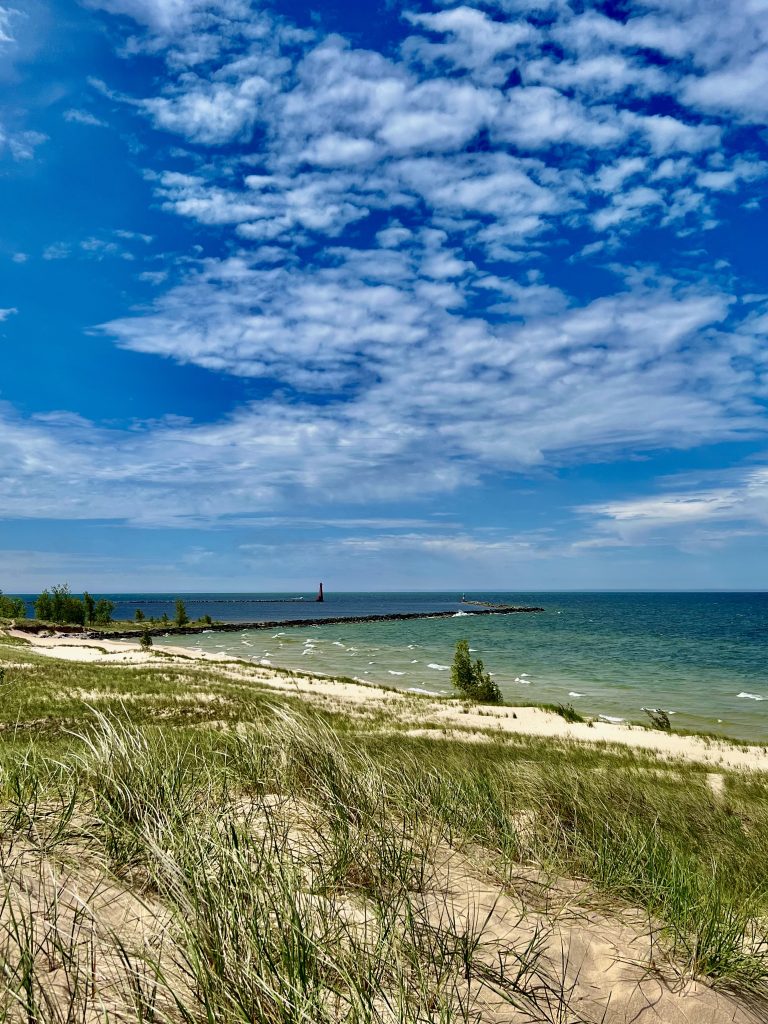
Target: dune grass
column 291, row 863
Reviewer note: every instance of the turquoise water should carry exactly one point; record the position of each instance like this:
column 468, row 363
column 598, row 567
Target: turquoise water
column 701, row 656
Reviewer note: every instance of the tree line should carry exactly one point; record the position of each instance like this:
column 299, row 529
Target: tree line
column 60, row 606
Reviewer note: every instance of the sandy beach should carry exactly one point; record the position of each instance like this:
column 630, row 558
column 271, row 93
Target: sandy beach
column 473, row 723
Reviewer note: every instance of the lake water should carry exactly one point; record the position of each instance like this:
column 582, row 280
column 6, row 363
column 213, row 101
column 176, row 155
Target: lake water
column 701, row 656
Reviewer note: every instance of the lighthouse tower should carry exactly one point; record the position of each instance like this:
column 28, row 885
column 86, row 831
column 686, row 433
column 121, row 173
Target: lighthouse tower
column 320, row 594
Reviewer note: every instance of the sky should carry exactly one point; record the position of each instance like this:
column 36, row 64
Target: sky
column 396, row 294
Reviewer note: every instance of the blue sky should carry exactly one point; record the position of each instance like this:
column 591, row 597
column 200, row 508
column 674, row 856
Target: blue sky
column 414, row 295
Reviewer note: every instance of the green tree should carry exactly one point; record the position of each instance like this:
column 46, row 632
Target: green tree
column 12, row 607
column 102, row 614
column 44, row 607
column 90, row 607
column 139, row 616
column 164, row 619
column 146, row 639
column 181, row 613
column 471, row 679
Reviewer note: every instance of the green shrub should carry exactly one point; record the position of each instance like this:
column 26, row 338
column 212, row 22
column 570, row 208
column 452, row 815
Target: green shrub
column 471, row 679
column 181, row 613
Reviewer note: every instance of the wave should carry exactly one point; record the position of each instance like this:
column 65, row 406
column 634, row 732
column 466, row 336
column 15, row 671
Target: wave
column 574, row 694
column 438, row 668
column 752, row 696
column 611, row 718
column 460, row 615
column 418, row 689
column 393, row 673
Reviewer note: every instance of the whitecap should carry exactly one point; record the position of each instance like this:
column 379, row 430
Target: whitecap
column 265, row 661
column 276, row 635
column 611, row 718
column 438, row 668
column 418, row 689
column 573, row 693
column 459, row 615
column 752, row 696
column 337, row 643
column 521, row 681
column 393, row 673
column 414, row 661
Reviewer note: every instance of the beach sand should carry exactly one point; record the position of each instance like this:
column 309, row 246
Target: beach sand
column 471, row 722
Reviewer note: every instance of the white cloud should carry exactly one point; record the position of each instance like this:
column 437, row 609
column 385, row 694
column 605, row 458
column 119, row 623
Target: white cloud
column 5, row 313
column 21, row 144
column 475, row 40
column 211, row 113
column 56, row 251
column 6, row 18
column 439, row 396
column 741, row 89
column 677, row 513
column 83, row 117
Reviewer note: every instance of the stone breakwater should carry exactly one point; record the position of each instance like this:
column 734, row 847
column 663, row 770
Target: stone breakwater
column 236, row 627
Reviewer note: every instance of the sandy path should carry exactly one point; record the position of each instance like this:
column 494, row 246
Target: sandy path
column 450, row 714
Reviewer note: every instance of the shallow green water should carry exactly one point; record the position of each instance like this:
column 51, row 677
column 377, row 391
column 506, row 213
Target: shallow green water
column 701, row 656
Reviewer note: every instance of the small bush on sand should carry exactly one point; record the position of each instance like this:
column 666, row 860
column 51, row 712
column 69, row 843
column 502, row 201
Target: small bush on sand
column 471, row 679
column 659, row 718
